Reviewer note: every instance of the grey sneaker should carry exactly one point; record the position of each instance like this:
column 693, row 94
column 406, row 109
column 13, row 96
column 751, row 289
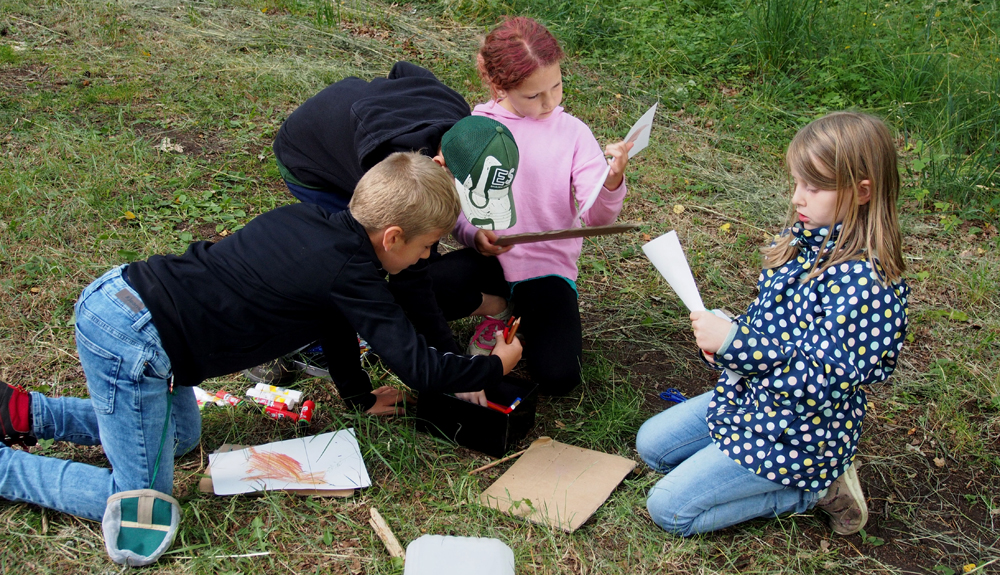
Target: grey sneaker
column 845, row 503
column 272, row 373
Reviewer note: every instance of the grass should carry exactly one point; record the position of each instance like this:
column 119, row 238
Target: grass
column 90, row 93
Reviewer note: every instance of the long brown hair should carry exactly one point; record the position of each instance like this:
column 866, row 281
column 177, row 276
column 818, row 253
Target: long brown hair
column 837, row 152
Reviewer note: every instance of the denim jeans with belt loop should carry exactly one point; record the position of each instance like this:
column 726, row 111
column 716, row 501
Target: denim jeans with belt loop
column 127, row 375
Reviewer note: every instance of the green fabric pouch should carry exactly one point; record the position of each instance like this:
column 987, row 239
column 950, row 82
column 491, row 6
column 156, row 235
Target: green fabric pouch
column 139, row 526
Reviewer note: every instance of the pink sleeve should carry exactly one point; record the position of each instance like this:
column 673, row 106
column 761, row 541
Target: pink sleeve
column 590, row 169
column 607, row 207
column 464, row 232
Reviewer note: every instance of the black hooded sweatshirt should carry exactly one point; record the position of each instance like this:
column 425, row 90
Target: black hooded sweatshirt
column 336, row 136
column 291, row 276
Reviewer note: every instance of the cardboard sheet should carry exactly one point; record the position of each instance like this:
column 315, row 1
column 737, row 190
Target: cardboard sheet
column 527, row 238
column 556, row 484
column 206, row 485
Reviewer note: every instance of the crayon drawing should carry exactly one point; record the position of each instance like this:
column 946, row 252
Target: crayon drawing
column 280, row 467
column 327, row 461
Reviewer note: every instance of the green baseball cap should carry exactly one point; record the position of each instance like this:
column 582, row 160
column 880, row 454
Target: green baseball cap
column 482, row 155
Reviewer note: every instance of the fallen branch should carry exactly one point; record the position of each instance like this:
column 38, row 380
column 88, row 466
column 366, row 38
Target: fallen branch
column 385, row 534
column 497, row 462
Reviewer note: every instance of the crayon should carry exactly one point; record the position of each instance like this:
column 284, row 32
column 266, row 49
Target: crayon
column 293, row 394
column 257, row 395
column 228, row 398
column 306, row 415
column 276, row 412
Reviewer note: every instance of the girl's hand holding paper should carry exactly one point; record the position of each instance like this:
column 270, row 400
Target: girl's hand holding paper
column 619, row 160
column 710, row 330
column 668, row 257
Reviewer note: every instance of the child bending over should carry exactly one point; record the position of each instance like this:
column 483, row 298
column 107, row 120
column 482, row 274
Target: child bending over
column 291, row 276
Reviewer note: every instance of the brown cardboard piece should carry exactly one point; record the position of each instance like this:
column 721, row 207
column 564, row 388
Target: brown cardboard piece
column 205, row 483
column 564, row 484
column 530, row 237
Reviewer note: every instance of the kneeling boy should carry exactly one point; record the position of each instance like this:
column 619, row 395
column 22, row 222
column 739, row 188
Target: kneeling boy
column 291, row 276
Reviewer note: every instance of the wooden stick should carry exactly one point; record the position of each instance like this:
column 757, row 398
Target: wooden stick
column 497, row 462
column 385, row 534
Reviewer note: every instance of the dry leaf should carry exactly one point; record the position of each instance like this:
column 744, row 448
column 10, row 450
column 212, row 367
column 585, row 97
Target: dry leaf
column 35, row 290
column 678, row 209
column 939, row 461
column 167, row 146
column 646, row 237
column 824, row 546
column 911, row 431
column 129, row 215
column 560, row 424
column 724, row 227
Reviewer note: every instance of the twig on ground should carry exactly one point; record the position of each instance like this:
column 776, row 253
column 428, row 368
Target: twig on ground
column 497, row 462
column 385, row 534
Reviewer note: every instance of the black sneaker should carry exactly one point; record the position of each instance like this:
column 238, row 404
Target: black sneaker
column 15, row 416
column 272, row 373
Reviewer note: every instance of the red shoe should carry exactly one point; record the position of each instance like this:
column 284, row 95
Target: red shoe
column 484, row 339
column 15, row 422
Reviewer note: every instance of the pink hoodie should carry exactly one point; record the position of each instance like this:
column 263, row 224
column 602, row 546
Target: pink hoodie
column 558, row 155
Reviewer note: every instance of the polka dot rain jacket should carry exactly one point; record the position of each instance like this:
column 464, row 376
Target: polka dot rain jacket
column 803, row 351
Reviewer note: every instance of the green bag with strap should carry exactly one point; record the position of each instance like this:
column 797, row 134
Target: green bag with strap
column 140, row 525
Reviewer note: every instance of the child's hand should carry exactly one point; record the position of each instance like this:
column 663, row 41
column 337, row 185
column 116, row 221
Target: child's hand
column 388, row 401
column 509, row 353
column 485, row 243
column 710, row 330
column 477, row 397
column 619, row 153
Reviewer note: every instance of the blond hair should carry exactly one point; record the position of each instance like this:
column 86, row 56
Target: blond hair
column 837, row 152
column 409, row 190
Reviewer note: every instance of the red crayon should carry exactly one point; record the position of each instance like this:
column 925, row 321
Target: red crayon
column 228, row 397
column 275, row 412
column 306, row 415
column 269, row 403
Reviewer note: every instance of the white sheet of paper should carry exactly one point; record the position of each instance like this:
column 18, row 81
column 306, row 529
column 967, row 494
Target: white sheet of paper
column 640, row 131
column 639, row 134
column 668, row 257
column 328, row 461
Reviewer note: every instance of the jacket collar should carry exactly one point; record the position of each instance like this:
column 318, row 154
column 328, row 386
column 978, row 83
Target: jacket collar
column 813, row 240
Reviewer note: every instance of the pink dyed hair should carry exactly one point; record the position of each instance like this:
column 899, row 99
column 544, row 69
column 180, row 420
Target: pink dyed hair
column 514, row 50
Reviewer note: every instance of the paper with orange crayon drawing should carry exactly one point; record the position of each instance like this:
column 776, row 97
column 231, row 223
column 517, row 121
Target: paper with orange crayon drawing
column 327, row 461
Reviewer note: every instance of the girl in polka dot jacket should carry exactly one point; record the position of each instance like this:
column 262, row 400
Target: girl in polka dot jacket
column 780, row 431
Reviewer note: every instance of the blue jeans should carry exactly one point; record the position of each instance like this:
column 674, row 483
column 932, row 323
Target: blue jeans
column 127, row 374
column 334, row 203
column 703, row 490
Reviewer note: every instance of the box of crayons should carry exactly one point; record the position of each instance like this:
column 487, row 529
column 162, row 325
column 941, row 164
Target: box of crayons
column 493, row 430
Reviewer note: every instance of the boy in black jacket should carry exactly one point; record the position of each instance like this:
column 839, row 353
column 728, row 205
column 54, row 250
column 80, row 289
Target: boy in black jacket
column 292, row 275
